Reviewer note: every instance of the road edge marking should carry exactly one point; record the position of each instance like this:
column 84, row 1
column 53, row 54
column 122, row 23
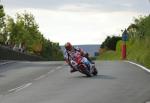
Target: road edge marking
column 40, row 77
column 144, row 68
column 20, row 87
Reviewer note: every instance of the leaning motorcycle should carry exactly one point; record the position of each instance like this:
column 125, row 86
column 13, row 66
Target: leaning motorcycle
column 82, row 65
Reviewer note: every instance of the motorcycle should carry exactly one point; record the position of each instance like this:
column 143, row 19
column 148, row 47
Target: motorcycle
column 82, row 65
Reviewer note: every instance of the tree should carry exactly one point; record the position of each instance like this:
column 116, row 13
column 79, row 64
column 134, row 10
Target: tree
column 51, row 50
column 140, row 28
column 3, row 35
column 110, row 42
column 24, row 30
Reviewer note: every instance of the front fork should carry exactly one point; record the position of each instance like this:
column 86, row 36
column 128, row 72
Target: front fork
column 87, row 63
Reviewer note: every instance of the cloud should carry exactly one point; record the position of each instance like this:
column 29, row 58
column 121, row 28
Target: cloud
column 80, row 27
column 80, row 21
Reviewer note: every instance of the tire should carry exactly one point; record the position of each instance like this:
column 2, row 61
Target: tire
column 87, row 73
column 95, row 72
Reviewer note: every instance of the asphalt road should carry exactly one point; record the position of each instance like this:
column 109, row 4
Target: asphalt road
column 51, row 82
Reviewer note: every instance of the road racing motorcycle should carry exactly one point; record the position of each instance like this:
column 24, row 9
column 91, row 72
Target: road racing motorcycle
column 83, row 65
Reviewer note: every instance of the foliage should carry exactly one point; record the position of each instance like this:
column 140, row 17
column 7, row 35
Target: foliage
column 110, row 54
column 140, row 29
column 24, row 31
column 3, row 35
column 138, row 45
column 110, row 42
column 52, row 50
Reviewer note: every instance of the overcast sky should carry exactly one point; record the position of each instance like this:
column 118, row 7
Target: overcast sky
column 80, row 21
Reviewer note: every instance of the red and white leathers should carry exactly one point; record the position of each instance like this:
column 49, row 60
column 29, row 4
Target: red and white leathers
column 71, row 55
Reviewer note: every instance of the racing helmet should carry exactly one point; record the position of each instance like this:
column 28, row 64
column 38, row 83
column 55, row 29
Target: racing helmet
column 68, row 46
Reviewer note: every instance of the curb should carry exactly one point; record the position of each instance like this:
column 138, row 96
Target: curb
column 144, row 68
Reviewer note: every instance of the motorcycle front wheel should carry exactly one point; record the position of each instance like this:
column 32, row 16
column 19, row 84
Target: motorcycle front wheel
column 86, row 72
column 95, row 72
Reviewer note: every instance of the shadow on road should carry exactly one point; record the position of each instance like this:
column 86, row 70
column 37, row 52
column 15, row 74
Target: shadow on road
column 103, row 77
column 98, row 77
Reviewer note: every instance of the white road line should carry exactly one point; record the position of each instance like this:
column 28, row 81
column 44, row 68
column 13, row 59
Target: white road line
column 51, row 71
column 20, row 87
column 42, row 76
column 58, row 68
column 148, row 70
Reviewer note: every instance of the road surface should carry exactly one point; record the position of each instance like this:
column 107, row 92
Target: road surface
column 51, row 82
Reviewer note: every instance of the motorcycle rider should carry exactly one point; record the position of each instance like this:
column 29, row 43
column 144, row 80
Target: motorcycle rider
column 70, row 51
